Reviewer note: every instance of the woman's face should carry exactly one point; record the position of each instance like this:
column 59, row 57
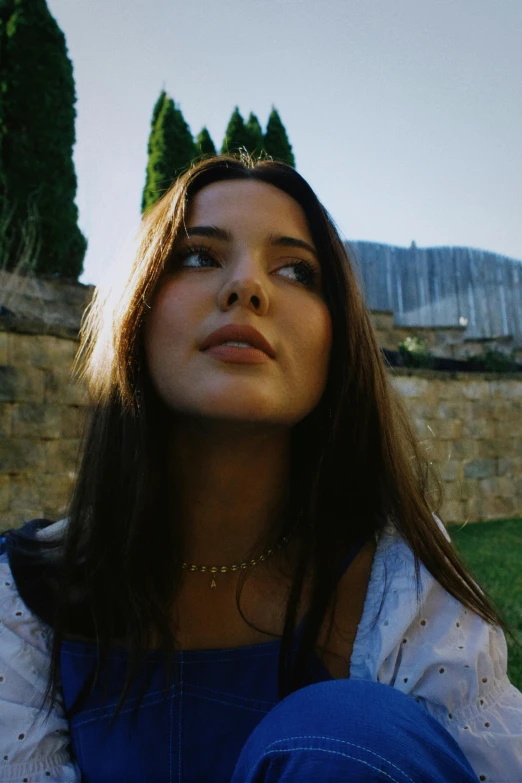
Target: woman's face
column 248, row 260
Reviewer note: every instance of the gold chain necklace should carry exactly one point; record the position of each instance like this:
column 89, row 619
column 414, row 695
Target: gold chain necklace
column 236, row 567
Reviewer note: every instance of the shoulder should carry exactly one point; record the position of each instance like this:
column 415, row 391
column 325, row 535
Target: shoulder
column 445, row 656
column 31, row 552
column 398, row 631
column 21, row 629
column 29, row 743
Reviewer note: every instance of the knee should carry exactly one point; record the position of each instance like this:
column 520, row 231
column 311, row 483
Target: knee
column 349, row 705
column 355, row 723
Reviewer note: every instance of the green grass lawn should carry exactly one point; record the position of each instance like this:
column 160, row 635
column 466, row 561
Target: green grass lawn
column 492, row 551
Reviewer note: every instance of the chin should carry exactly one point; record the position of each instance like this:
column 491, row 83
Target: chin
column 248, row 417
column 239, row 416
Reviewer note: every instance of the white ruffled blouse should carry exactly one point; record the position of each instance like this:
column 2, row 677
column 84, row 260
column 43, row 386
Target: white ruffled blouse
column 444, row 656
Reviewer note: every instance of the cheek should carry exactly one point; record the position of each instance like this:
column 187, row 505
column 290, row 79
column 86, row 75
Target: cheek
column 153, row 332
column 320, row 330
column 163, row 329
column 324, row 346
column 173, row 315
column 314, row 335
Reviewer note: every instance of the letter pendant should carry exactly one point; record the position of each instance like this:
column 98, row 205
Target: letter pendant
column 213, row 582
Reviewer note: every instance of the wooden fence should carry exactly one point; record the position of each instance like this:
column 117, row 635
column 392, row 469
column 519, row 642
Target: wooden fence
column 443, row 286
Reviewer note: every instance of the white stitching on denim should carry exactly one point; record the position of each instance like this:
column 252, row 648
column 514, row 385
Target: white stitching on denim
column 338, row 753
column 174, row 690
column 105, row 716
column 229, row 704
column 107, row 707
column 343, row 742
column 233, row 695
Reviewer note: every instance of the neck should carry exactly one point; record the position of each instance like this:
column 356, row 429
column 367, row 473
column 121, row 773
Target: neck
column 230, row 484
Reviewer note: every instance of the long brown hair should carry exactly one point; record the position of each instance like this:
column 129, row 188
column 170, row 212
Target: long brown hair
column 356, row 463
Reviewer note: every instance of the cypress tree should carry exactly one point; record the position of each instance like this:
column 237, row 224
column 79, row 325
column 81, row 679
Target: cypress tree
column 185, row 148
column 276, row 140
column 205, row 143
column 38, row 114
column 155, row 114
column 6, row 9
column 157, row 108
column 236, row 134
column 253, row 127
column 172, row 150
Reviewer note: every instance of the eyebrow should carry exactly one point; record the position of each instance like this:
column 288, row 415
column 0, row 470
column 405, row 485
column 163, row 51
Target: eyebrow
column 275, row 240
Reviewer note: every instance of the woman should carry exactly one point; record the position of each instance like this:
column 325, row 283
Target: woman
column 233, row 587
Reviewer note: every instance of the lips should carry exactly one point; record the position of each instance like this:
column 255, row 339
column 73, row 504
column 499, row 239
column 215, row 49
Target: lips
column 238, row 334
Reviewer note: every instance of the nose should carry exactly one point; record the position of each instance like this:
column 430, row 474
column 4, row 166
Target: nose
column 247, row 289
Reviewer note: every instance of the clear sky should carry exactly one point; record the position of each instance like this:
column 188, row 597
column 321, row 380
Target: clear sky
column 405, row 115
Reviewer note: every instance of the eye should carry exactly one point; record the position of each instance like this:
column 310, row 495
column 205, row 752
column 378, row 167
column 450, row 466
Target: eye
column 304, row 273
column 195, row 257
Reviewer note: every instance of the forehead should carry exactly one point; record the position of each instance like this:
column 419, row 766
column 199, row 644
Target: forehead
column 248, row 205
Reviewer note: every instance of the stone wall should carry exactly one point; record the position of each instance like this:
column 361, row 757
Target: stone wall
column 41, row 415
column 470, row 427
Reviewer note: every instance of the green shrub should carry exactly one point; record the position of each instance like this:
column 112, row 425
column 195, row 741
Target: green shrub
column 414, row 353
column 495, row 361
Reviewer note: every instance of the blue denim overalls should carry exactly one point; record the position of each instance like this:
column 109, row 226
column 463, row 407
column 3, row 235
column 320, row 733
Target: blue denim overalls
column 223, row 722
column 226, row 708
